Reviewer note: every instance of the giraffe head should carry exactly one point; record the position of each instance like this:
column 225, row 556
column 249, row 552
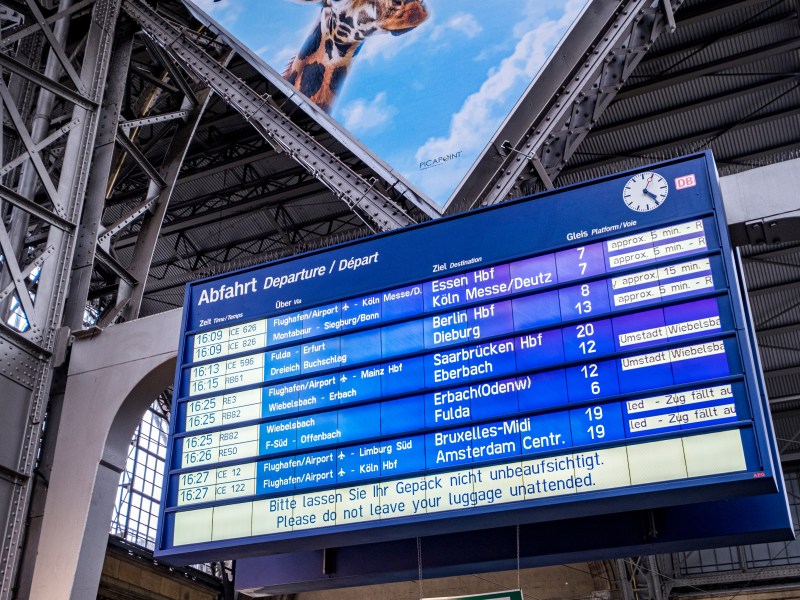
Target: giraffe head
column 355, row 20
column 319, row 68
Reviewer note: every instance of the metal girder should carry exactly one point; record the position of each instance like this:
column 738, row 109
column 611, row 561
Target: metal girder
column 723, row 64
column 565, row 120
column 102, row 159
column 162, row 118
column 174, row 73
column 750, row 576
column 15, row 521
column 25, row 273
column 782, row 372
column 140, row 159
column 360, row 195
column 37, row 78
column 77, row 8
column 774, row 289
column 167, row 284
column 58, row 134
column 115, row 266
column 148, row 76
column 150, row 231
column 34, row 209
column 709, row 11
column 30, row 146
column 260, row 237
column 697, row 105
column 701, row 139
column 277, row 189
column 775, row 331
column 126, row 219
column 55, row 47
column 675, row 54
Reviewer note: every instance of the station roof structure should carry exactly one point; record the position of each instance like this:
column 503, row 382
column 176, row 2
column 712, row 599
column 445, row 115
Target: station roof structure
column 631, row 84
column 205, row 160
column 623, row 90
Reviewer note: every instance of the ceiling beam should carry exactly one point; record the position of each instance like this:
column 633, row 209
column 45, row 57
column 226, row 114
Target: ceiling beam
column 362, row 196
column 661, row 82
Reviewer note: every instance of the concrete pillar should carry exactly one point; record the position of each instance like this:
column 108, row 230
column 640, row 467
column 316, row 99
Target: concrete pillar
column 114, row 375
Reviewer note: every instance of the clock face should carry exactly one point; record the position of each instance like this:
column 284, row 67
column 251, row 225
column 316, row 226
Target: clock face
column 645, row 192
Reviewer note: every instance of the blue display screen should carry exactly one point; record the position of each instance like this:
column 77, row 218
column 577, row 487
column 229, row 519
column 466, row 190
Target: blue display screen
column 553, row 351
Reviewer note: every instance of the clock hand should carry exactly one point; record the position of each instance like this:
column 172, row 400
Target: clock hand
column 649, row 193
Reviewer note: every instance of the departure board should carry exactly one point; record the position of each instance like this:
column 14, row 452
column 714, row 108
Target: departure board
column 573, row 353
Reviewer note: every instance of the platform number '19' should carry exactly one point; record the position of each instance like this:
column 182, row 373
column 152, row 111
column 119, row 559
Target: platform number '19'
column 596, row 430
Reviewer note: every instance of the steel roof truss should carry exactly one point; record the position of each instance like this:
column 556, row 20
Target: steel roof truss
column 58, row 50
column 140, row 159
column 57, row 134
column 146, row 121
column 361, row 196
column 557, row 134
column 30, row 147
column 84, row 6
column 173, row 70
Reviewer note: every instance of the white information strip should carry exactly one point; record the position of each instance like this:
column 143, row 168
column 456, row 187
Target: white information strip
column 667, row 332
column 661, row 274
column 686, row 417
column 672, row 355
column 677, row 399
column 658, row 251
column 664, row 290
column 576, row 473
column 655, row 235
column 230, row 340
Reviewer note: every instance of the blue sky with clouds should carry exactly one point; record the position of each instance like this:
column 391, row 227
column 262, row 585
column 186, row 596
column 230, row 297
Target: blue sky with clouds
column 441, row 90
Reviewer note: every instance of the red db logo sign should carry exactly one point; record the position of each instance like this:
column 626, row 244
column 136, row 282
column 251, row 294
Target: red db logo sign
column 684, row 182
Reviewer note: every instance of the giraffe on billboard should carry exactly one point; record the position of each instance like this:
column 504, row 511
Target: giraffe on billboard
column 322, row 64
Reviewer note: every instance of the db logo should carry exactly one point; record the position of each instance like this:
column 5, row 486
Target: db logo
column 684, row 182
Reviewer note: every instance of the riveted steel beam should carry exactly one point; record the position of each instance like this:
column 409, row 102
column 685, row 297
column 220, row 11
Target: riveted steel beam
column 545, row 131
column 40, row 80
column 140, row 159
column 154, row 119
column 22, row 437
column 362, row 196
column 78, row 8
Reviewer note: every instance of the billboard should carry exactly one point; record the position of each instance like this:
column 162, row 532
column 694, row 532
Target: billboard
column 423, row 84
column 581, row 353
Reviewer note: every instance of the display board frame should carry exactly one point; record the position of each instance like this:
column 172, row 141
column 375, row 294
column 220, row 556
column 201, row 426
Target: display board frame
column 697, row 176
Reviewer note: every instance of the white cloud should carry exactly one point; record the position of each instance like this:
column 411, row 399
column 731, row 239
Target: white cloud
column 461, row 23
column 362, row 116
column 225, row 12
column 482, row 112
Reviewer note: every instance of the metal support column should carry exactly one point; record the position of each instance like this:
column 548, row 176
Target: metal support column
column 151, row 226
column 26, row 356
